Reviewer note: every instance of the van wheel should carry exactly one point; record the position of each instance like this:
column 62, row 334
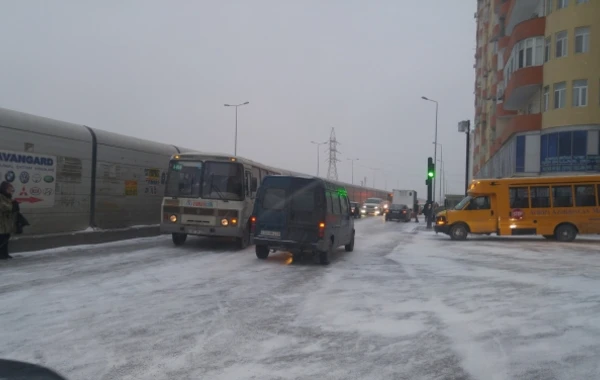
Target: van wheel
column 244, row 241
column 350, row 246
column 178, row 239
column 565, row 233
column 262, row 251
column 324, row 256
column 458, row 232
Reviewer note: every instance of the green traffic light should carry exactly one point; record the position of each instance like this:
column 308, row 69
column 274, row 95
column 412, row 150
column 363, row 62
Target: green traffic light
column 430, row 174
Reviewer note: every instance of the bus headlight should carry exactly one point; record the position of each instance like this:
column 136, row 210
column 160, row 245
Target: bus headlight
column 173, row 218
column 224, row 222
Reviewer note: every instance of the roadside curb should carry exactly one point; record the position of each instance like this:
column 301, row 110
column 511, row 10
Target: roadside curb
column 43, row 242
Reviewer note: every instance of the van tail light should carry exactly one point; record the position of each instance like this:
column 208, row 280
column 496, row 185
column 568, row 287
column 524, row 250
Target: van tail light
column 321, row 230
column 252, row 223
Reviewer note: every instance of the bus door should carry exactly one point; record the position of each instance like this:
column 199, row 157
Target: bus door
column 521, row 218
column 482, row 214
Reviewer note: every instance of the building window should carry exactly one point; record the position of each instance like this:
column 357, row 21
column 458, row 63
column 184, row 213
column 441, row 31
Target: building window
column 528, row 52
column 547, row 49
column 580, row 91
column 520, row 161
column 567, row 152
column 565, row 144
column 548, row 7
column 560, row 90
column 582, row 39
column 560, row 4
column 561, row 44
column 546, row 98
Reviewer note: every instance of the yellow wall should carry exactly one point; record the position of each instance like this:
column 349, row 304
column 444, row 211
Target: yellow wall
column 574, row 66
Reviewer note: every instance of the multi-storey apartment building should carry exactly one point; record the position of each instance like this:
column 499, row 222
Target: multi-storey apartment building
column 537, row 88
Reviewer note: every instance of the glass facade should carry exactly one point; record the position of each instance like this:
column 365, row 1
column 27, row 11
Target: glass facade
column 567, row 152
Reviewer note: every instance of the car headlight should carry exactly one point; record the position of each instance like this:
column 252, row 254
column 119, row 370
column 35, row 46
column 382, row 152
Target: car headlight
column 385, row 206
column 224, row 222
column 173, row 218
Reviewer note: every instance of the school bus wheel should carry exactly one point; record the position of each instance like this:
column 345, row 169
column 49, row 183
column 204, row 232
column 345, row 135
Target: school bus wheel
column 565, row 233
column 459, row 231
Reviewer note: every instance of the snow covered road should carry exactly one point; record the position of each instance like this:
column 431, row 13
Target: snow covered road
column 406, row 304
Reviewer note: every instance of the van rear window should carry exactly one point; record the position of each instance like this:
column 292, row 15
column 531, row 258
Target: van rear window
column 303, row 200
column 274, row 199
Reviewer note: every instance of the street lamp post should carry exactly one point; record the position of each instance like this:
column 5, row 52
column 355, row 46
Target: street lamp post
column 236, row 119
column 465, row 127
column 318, row 144
column 435, row 142
column 352, row 159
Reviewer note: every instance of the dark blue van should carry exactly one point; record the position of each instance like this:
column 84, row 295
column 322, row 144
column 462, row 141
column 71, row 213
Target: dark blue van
column 301, row 215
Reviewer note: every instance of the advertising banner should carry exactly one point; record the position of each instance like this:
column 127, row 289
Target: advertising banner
column 32, row 175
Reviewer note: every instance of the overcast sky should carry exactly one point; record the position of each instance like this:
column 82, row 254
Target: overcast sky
column 162, row 70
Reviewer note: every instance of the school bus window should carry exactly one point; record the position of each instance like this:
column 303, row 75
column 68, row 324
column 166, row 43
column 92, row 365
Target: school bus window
column 540, row 196
column 480, row 203
column 562, row 196
column 585, row 196
column 519, row 197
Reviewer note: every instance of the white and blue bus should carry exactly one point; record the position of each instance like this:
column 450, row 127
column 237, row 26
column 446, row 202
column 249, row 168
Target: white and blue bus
column 213, row 195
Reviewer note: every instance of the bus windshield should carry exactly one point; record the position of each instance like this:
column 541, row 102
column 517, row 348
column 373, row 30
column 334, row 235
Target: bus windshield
column 223, row 180
column 462, row 203
column 183, row 179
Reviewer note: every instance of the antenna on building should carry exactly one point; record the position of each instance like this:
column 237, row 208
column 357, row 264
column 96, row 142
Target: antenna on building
column 333, row 160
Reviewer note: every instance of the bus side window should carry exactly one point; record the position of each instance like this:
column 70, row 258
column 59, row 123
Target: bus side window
column 540, row 196
column 562, row 196
column 585, row 196
column 519, row 197
column 248, row 182
column 256, row 174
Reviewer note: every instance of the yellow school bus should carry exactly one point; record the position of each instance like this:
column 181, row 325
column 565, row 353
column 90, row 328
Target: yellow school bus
column 557, row 208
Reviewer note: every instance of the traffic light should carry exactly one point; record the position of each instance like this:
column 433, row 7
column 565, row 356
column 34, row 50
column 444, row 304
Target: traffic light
column 430, row 168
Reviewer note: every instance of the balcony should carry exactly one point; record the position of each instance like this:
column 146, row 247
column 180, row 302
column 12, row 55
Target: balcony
column 532, row 27
column 522, row 123
column 520, row 11
column 503, row 112
column 522, row 85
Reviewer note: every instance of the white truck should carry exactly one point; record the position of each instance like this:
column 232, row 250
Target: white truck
column 404, row 197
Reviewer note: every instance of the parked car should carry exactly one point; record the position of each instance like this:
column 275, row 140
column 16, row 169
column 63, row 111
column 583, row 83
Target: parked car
column 401, row 213
column 354, row 209
column 301, row 215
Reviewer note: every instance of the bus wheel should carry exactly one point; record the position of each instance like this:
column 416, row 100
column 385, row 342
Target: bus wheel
column 458, row 232
column 178, row 239
column 565, row 233
column 262, row 251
